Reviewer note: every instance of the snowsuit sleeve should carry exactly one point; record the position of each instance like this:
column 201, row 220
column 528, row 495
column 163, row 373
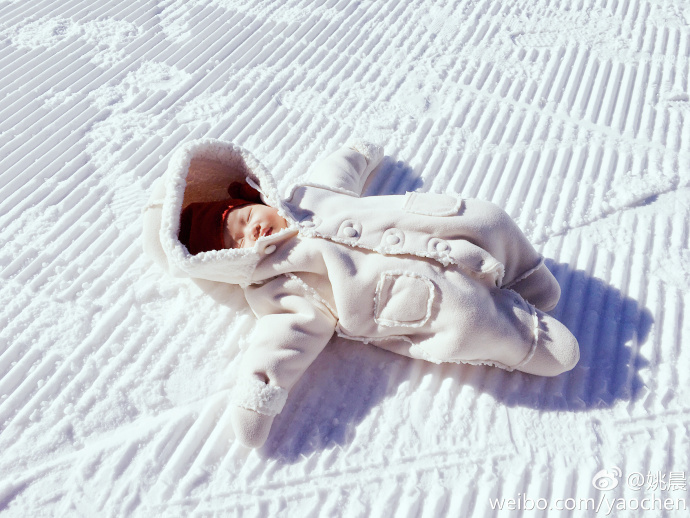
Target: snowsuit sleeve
column 347, row 169
column 293, row 328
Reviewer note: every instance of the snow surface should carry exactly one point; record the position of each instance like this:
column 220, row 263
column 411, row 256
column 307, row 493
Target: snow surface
column 572, row 115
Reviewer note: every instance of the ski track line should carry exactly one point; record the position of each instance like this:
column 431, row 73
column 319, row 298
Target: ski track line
column 38, row 79
column 656, row 297
column 25, row 269
column 296, row 80
column 607, row 343
column 358, row 476
column 79, row 387
column 132, row 56
column 215, row 447
column 101, row 249
column 98, row 231
column 101, row 115
column 41, row 141
column 25, row 79
column 81, row 354
column 6, row 52
column 58, row 176
column 11, row 321
column 169, row 418
column 45, row 8
column 621, row 378
column 25, row 13
column 637, row 266
column 87, row 14
column 642, row 294
column 98, row 207
column 45, row 275
column 185, row 452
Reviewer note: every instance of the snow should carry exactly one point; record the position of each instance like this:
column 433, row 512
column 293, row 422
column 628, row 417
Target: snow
column 114, row 379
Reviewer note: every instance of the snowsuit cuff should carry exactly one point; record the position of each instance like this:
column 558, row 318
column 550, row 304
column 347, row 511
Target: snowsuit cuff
column 535, row 339
column 525, row 274
column 253, row 394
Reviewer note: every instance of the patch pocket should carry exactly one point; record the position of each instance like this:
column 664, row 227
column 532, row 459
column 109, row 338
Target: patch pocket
column 403, row 299
column 432, row 204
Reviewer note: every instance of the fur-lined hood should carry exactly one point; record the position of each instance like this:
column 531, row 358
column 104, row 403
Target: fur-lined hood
column 200, row 171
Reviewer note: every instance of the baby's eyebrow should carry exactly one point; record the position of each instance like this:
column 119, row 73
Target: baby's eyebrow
column 241, row 223
column 237, row 218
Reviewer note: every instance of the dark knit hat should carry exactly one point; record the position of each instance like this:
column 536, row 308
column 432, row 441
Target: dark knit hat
column 202, row 223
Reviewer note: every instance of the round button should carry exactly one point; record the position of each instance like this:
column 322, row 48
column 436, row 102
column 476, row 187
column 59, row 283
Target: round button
column 269, row 249
column 349, row 232
column 393, row 240
column 442, row 246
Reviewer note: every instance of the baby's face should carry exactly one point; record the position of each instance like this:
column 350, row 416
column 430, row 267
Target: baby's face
column 243, row 226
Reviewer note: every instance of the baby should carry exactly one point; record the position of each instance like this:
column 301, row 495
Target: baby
column 429, row 276
column 236, row 222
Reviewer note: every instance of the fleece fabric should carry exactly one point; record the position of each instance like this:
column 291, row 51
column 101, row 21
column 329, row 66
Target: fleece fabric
column 430, row 276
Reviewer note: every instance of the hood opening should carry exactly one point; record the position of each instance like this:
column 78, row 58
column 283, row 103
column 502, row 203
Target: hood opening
column 208, row 179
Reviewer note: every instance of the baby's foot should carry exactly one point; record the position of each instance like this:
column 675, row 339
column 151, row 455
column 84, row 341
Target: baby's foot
column 556, row 351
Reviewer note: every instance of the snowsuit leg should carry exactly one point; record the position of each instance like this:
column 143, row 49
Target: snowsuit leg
column 494, row 230
column 482, row 323
column 489, row 325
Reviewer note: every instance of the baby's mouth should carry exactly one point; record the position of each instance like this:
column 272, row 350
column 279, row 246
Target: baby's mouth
column 267, row 232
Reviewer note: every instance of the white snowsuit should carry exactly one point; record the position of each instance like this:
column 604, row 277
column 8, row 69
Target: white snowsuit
column 430, row 276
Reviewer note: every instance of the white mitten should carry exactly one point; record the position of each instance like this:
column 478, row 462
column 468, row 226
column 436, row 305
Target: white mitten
column 255, row 404
column 251, row 428
column 372, row 152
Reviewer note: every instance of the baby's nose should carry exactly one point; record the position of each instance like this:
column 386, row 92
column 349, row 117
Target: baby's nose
column 255, row 231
